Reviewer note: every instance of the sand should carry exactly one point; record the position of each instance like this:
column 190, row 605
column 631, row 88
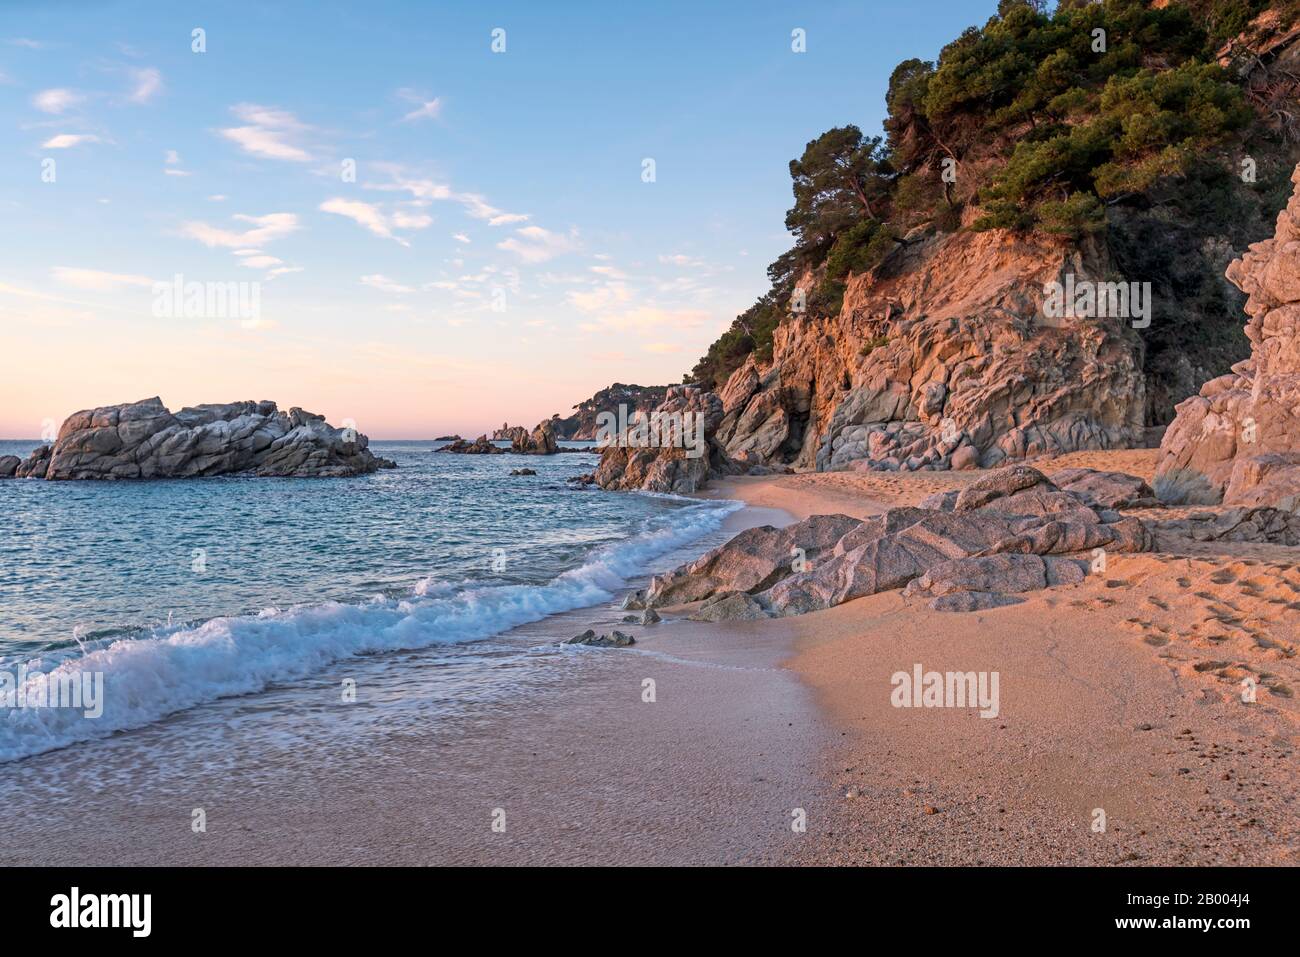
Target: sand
column 1120, row 704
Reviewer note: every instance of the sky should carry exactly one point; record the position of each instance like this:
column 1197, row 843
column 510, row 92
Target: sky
column 429, row 235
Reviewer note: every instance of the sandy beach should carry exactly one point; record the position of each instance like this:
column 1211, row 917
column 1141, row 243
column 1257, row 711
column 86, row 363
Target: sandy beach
column 1120, row 694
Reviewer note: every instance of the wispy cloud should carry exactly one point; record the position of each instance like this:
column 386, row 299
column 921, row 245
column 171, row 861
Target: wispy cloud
column 648, row 318
column 57, row 100
column 96, row 279
column 172, row 159
column 678, row 259
column 147, row 84
column 252, row 259
column 265, row 229
column 384, row 284
column 533, row 244
column 268, row 132
column 428, row 190
column 600, row 298
column 64, row 141
column 372, row 217
column 424, row 109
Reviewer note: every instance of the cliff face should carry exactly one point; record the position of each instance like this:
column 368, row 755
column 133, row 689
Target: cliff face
column 942, row 357
column 1238, row 441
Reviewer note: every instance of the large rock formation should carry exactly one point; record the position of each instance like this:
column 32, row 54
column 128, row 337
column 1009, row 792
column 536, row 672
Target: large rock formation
column 144, row 440
column 1012, row 531
column 480, row 446
column 1238, row 441
column 941, row 356
column 541, row 441
column 509, row 433
column 677, row 469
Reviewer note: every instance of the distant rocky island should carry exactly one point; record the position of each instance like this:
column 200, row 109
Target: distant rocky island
column 144, row 440
column 540, row 441
column 582, row 426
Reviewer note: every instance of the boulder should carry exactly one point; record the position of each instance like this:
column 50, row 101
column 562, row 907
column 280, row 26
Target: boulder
column 480, row 446
column 9, row 465
column 730, row 606
column 1256, row 524
column 752, row 561
column 1000, row 484
column 1105, row 489
column 615, row 639
column 1000, row 573
column 1009, row 534
column 964, row 459
column 541, row 441
column 35, row 465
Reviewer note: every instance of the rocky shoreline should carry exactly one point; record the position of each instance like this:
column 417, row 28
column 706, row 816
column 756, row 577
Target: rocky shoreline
column 144, row 440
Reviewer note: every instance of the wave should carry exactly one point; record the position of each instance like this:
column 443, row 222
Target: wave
column 148, row 678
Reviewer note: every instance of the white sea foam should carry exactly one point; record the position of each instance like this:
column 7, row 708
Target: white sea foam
column 147, row 678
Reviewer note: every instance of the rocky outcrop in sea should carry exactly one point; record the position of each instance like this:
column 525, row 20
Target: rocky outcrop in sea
column 142, row 440
column 1238, row 441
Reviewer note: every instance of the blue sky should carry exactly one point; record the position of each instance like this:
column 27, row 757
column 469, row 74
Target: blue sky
column 498, row 256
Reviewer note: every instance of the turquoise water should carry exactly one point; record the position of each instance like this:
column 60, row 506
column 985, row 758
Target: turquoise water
column 187, row 591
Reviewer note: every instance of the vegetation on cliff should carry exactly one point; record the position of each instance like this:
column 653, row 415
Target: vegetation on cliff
column 1107, row 122
column 582, row 423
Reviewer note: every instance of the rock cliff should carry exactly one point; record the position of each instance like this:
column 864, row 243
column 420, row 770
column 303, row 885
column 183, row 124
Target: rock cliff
column 144, row 440
column 1238, row 441
column 943, row 357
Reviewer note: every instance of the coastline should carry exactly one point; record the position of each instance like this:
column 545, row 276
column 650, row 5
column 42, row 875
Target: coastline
column 751, row 721
column 1103, row 706
column 585, row 770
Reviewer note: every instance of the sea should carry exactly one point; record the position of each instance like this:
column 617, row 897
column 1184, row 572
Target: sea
column 182, row 595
